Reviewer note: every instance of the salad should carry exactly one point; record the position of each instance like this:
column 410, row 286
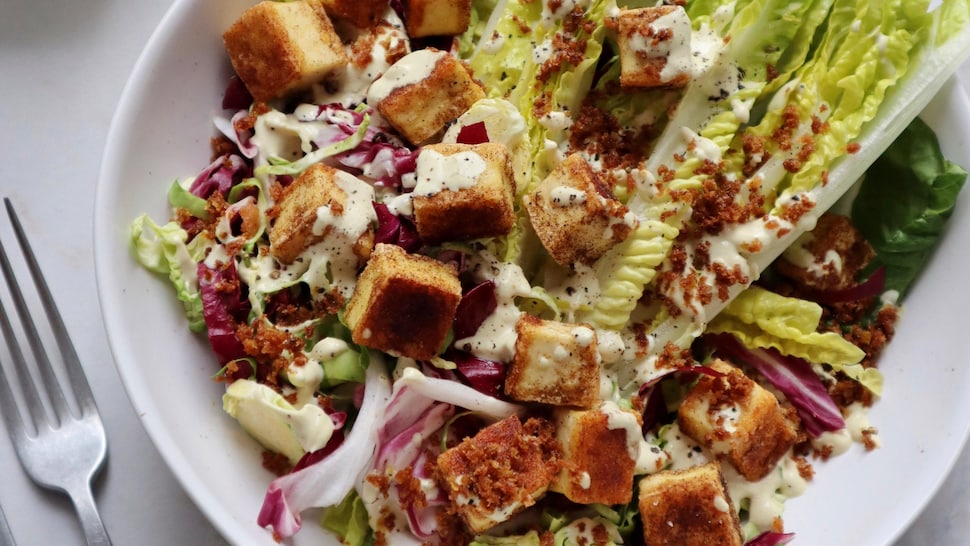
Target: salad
column 555, row 272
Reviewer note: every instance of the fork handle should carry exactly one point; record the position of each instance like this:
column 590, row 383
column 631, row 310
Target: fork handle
column 87, row 511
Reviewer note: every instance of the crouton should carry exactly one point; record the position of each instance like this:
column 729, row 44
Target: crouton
column 363, row 14
column 654, row 47
column 422, row 92
column 737, row 420
column 403, row 303
column 829, row 257
column 438, row 17
column 554, row 363
column 600, row 448
column 278, row 48
column 500, row 471
column 463, row 192
column 575, row 214
column 320, row 200
column 689, row 507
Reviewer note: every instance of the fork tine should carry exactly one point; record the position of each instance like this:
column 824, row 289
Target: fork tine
column 35, row 408
column 78, row 380
column 8, row 406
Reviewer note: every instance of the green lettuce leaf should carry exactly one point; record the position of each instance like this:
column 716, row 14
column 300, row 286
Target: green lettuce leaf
column 529, row 539
column 904, row 203
column 348, row 520
column 759, row 318
column 164, row 250
column 181, row 198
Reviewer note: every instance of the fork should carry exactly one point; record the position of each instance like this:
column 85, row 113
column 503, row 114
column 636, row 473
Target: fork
column 6, row 537
column 68, row 448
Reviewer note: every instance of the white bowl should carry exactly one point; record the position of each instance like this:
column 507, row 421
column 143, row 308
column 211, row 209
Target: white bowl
column 161, row 131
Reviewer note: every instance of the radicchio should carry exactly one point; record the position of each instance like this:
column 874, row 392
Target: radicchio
column 795, row 378
column 221, row 300
column 236, row 95
column 473, row 134
column 379, row 156
column 404, row 437
column 485, row 376
column 871, row 287
column 326, row 482
column 475, row 306
column 221, row 175
column 395, row 230
column 770, row 538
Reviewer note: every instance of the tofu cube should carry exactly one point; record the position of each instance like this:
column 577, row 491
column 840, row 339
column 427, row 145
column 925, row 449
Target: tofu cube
column 500, row 471
column 363, row 14
column 278, row 48
column 689, row 507
column 828, row 258
column 463, row 192
column 438, row 17
column 575, row 215
column 321, row 198
column 737, row 420
column 403, row 303
column 654, row 47
column 600, row 448
column 554, row 363
column 423, row 92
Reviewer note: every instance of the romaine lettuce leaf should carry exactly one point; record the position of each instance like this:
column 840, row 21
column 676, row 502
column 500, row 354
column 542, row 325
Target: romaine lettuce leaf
column 164, row 250
column 904, row 202
column 760, row 318
column 348, row 520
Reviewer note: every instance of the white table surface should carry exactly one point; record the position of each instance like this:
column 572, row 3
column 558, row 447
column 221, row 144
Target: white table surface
column 63, row 65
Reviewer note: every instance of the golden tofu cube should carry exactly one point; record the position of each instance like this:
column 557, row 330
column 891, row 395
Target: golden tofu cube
column 554, row 363
column 278, row 48
column 463, row 191
column 298, row 223
column 363, row 14
column 737, row 420
column 575, row 215
column 655, row 47
column 689, row 507
column 423, row 92
column 500, row 471
column 403, row 303
column 600, row 448
column 438, row 17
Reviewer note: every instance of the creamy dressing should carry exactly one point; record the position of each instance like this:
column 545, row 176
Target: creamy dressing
column 329, row 264
column 765, row 498
column 437, row 172
column 542, row 51
column 683, row 451
column 553, row 11
column 276, row 423
column 567, row 196
column 704, row 148
column 496, row 337
column 675, row 51
column 409, row 70
column 857, row 424
column 619, row 419
column 504, row 124
column 799, row 255
column 586, row 530
column 348, row 86
column 277, row 135
column 328, row 348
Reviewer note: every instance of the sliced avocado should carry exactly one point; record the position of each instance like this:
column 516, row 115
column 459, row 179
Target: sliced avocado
column 274, row 422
